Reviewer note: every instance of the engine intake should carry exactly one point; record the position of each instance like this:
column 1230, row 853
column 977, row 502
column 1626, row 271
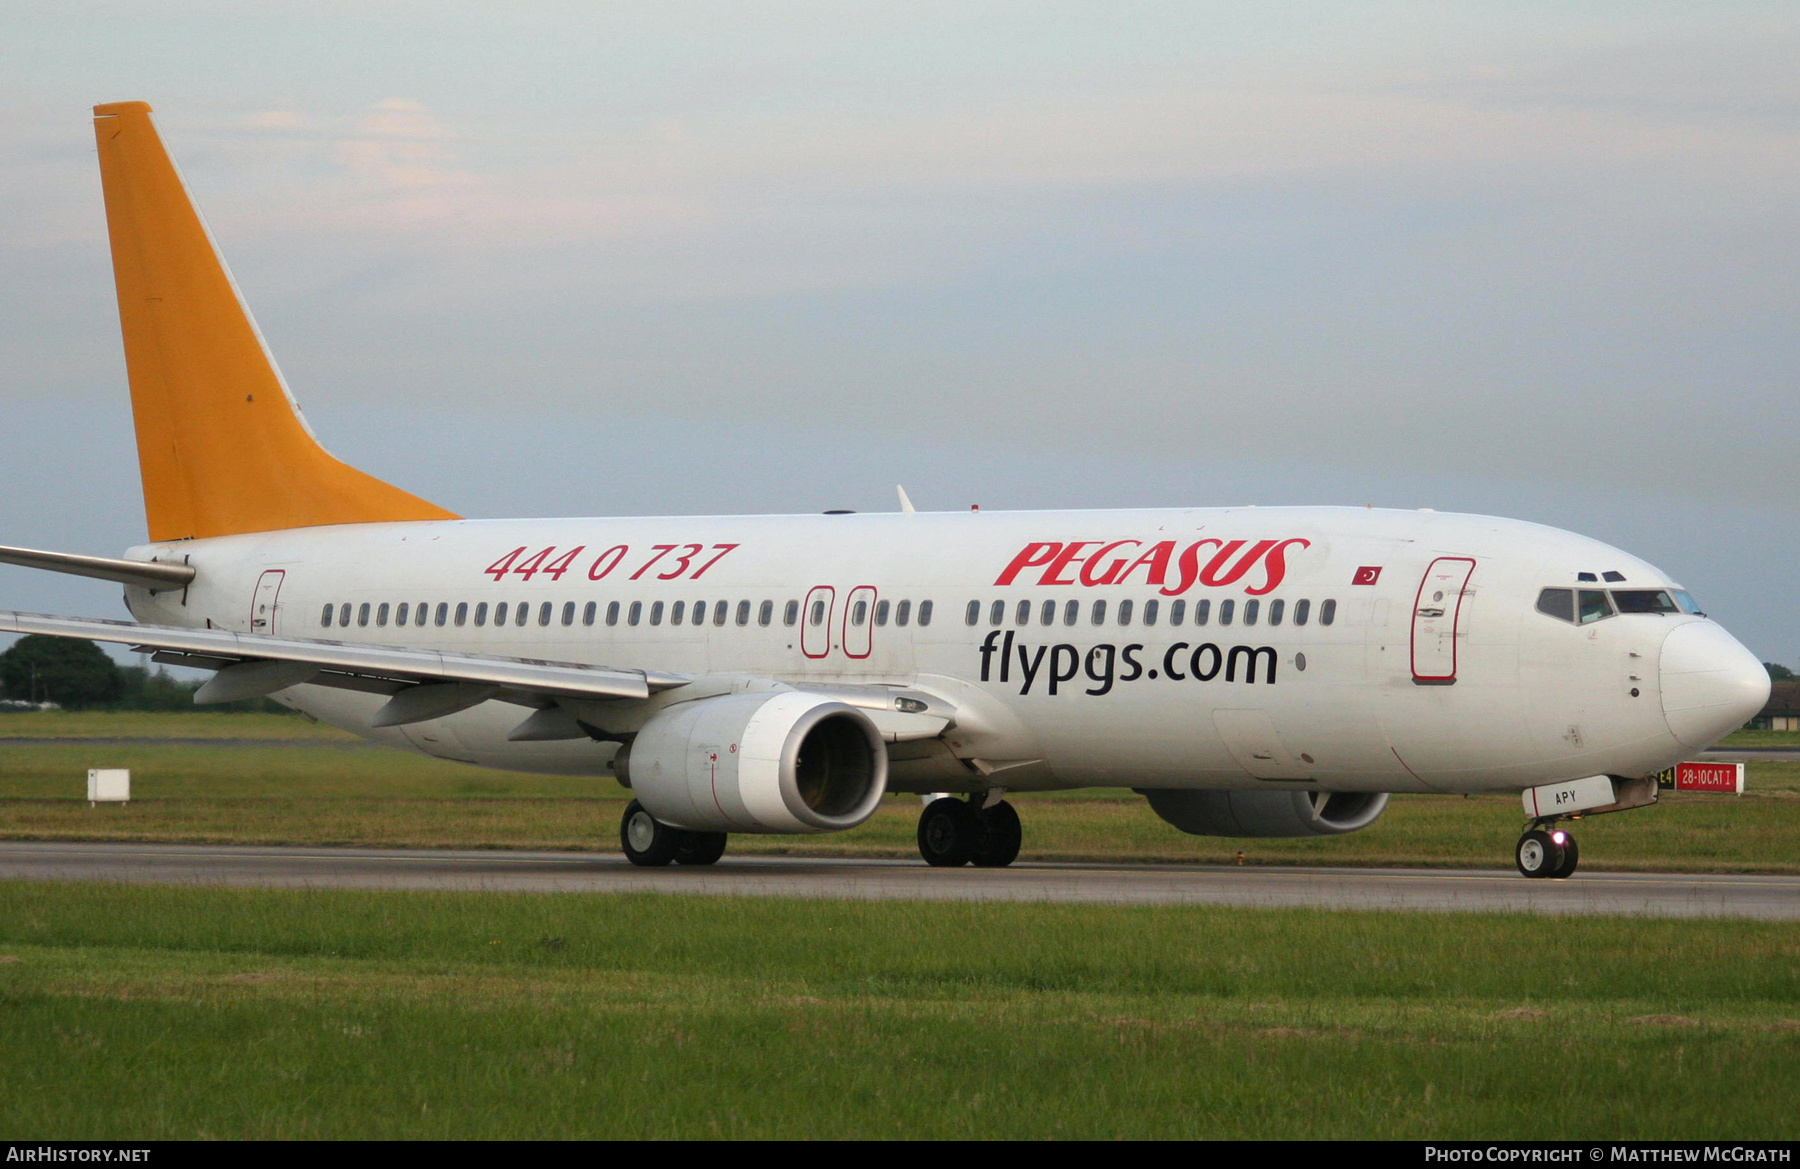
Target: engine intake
column 781, row 762
column 1238, row 813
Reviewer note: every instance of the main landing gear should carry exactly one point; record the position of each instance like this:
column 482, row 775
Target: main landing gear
column 1546, row 851
column 954, row 832
column 650, row 843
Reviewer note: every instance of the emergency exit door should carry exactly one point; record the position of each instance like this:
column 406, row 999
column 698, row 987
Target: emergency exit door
column 1437, row 620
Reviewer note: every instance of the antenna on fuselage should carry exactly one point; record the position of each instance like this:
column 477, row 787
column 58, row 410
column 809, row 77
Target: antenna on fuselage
column 906, row 506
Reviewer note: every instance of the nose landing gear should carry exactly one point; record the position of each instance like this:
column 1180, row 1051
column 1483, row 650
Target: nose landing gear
column 954, row 832
column 1546, row 851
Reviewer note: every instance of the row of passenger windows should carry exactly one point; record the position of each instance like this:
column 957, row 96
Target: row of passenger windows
column 634, row 613
column 1582, row 606
column 1124, row 613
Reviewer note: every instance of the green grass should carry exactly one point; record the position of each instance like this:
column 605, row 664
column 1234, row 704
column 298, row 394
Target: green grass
column 285, row 781
column 168, row 1013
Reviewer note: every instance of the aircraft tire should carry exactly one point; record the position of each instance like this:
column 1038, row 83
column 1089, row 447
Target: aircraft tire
column 1571, row 857
column 1001, row 835
column 700, row 848
column 1537, row 855
column 647, row 841
column 949, row 833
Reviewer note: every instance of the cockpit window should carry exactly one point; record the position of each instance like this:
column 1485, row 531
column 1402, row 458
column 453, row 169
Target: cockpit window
column 1558, row 603
column 1687, row 603
column 1592, row 605
column 1644, row 601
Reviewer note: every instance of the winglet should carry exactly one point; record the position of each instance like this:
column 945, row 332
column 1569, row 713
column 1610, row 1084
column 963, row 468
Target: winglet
column 222, row 447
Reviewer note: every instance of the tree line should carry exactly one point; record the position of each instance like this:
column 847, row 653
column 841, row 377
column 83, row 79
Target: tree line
column 78, row 675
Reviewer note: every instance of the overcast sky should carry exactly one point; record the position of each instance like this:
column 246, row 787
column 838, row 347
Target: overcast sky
column 1539, row 261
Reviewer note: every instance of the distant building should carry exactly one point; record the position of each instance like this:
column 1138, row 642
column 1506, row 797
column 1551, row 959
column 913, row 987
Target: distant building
column 1783, row 710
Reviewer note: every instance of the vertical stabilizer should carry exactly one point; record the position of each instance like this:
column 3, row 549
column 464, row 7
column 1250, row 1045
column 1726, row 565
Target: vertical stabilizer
column 221, row 446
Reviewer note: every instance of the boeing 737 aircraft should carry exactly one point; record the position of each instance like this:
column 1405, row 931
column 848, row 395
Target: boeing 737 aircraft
column 1251, row 671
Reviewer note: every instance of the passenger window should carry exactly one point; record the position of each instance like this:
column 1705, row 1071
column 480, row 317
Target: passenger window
column 325, row 617
column 699, row 615
column 568, row 614
column 859, row 613
column 1070, row 612
column 678, row 613
column 902, row 612
column 1557, row 603
column 381, row 613
column 588, row 612
column 481, row 613
column 634, row 613
column 997, row 612
column 1592, row 605
column 1225, row 610
column 362, row 613
column 401, row 614
column 765, row 613
column 1023, row 615
column 1250, row 610
column 743, row 613
column 443, row 614
column 612, row 613
column 1275, row 611
column 1150, row 608
column 881, row 612
column 656, row 612
column 522, row 614
column 344, row 615
column 1099, row 617
column 790, row 613
column 420, row 611
column 1203, row 612
column 1178, row 612
column 924, row 612
column 1302, row 610
column 1048, row 616
column 544, row 611
column 462, row 614
column 973, row 614
column 721, row 609
column 1643, row 601
column 818, row 613
column 1125, row 612
column 499, row 614
column 1327, row 612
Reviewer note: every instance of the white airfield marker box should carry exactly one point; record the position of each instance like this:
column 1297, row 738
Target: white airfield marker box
column 109, row 785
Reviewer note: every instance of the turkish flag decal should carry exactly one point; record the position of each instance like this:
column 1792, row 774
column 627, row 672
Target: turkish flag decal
column 1366, row 575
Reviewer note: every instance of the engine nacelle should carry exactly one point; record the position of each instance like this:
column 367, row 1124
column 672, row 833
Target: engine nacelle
column 1265, row 813
column 785, row 761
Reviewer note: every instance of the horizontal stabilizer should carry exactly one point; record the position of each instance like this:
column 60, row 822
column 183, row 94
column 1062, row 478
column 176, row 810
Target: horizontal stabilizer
column 158, row 578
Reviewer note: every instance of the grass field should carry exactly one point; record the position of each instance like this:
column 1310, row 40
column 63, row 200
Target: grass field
column 173, row 1013
column 282, row 780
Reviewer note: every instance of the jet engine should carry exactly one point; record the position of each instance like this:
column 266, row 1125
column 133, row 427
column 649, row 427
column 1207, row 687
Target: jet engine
column 786, row 761
column 1265, row 813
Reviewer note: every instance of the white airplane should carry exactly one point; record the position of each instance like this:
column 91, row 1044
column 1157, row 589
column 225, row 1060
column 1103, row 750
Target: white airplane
column 1253, row 672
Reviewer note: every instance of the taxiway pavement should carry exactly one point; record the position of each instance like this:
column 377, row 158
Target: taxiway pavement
column 1775, row 898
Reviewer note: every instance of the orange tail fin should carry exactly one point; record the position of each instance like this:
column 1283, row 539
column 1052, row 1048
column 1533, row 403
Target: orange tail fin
column 221, row 446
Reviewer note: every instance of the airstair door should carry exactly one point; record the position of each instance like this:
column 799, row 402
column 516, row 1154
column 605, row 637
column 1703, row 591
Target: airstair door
column 263, row 608
column 1438, row 620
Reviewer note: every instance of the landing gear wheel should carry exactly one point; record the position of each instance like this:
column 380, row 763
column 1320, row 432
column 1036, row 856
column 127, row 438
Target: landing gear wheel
column 949, row 833
column 700, row 848
column 1537, row 855
column 1571, row 856
column 1000, row 836
column 647, row 841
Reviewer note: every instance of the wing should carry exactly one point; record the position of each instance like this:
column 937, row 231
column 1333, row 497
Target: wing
column 423, row 683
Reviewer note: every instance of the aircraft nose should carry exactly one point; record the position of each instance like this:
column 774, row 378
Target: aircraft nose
column 1711, row 685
